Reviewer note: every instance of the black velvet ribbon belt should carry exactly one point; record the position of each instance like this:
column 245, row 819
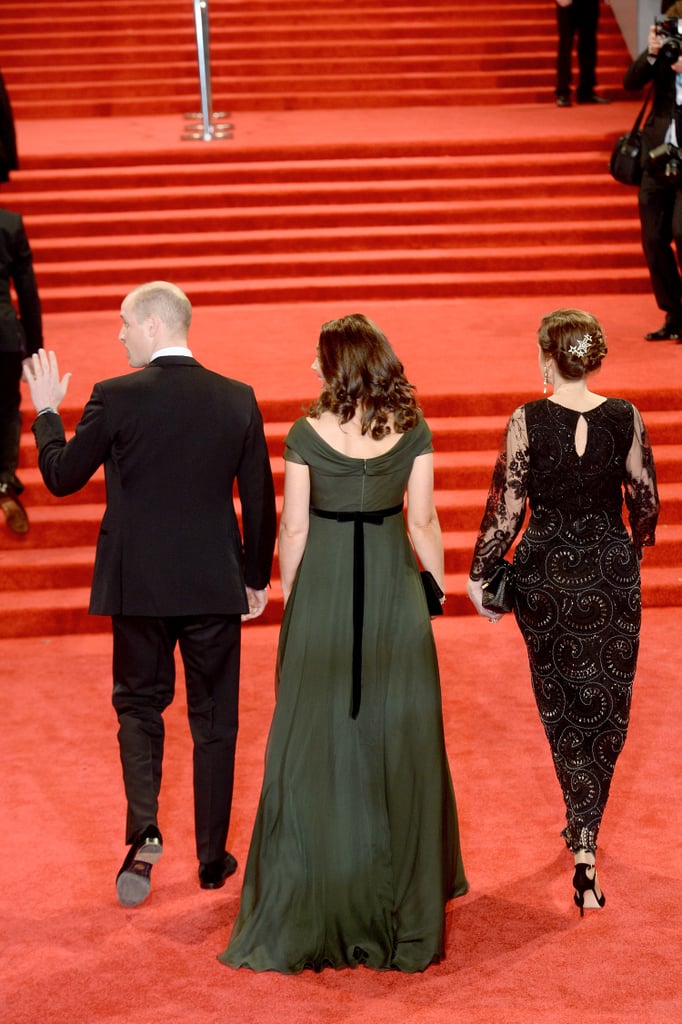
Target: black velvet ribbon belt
column 358, row 519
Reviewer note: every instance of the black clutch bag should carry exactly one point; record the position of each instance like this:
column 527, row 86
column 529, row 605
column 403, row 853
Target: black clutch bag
column 498, row 591
column 435, row 598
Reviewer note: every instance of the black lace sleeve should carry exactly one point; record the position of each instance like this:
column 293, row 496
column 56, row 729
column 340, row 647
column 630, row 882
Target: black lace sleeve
column 505, row 508
column 641, row 493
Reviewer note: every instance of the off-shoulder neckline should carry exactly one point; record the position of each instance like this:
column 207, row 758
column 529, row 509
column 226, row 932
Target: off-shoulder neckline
column 355, row 458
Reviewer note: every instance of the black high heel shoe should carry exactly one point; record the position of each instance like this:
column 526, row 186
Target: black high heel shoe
column 583, row 884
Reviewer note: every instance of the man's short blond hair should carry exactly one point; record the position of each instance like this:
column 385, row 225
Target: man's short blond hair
column 165, row 300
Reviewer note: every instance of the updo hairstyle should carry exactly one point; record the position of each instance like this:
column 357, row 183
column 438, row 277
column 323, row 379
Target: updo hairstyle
column 567, row 329
column 360, row 369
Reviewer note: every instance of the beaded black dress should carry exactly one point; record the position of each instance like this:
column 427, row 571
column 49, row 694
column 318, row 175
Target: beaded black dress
column 577, row 601
column 355, row 848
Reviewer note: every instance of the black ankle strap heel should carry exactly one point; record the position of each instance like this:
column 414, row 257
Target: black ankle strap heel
column 583, row 884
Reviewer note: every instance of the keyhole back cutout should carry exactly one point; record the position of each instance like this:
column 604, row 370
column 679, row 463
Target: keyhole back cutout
column 580, row 438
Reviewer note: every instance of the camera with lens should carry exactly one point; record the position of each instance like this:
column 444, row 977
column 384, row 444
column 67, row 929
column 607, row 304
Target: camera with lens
column 666, row 160
column 668, row 32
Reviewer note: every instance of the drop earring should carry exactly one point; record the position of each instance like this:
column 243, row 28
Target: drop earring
column 545, row 380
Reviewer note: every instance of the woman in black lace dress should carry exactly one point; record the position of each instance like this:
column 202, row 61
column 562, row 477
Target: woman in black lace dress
column 573, row 457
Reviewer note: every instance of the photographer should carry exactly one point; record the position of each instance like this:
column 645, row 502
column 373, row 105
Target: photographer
column 660, row 193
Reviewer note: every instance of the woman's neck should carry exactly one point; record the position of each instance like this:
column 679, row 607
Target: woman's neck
column 574, row 394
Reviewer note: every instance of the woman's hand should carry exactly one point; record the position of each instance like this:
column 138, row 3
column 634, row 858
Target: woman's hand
column 475, row 592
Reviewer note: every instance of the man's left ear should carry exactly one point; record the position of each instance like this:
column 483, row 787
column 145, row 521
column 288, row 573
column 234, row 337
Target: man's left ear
column 151, row 326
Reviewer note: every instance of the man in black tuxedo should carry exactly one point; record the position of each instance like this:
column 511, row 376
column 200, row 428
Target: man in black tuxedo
column 171, row 565
column 20, row 335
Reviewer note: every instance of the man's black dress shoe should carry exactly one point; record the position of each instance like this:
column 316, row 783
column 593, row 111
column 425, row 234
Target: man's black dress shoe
column 668, row 332
column 213, row 874
column 133, row 882
column 594, row 99
column 563, row 100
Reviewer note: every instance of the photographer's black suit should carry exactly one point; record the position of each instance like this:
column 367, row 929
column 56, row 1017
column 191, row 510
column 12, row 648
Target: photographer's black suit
column 660, row 199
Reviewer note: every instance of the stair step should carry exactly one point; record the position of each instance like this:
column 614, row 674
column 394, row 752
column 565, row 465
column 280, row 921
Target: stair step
column 587, row 167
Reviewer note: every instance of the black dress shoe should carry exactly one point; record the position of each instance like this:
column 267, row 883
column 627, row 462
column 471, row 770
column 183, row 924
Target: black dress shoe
column 668, row 332
column 594, row 99
column 15, row 513
column 133, row 882
column 563, row 99
column 213, row 874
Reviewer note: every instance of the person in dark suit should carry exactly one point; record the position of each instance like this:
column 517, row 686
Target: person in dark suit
column 20, row 335
column 9, row 160
column 577, row 18
column 171, row 565
column 660, row 191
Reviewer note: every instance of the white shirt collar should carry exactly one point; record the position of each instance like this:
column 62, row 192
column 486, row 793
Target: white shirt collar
column 172, row 350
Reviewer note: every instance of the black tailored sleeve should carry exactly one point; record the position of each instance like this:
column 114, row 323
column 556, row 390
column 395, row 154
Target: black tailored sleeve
column 66, row 466
column 257, row 499
column 640, row 72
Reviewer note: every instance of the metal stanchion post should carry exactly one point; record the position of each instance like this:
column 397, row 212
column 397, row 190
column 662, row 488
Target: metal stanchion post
column 206, row 125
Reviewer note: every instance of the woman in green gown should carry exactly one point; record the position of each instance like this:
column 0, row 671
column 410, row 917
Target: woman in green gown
column 355, row 849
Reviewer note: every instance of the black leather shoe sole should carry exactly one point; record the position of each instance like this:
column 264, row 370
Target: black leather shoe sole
column 664, row 334
column 214, row 875
column 133, row 882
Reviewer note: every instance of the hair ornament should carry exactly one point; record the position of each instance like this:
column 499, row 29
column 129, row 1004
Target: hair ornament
column 581, row 347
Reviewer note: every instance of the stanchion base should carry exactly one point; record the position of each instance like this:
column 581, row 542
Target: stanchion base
column 216, row 128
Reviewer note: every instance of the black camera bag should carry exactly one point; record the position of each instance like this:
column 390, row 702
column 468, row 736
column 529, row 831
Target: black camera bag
column 625, row 164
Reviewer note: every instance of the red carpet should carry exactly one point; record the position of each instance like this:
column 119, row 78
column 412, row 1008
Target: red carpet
column 517, row 950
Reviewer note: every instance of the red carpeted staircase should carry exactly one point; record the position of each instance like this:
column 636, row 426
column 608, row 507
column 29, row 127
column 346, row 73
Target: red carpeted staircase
column 123, row 58
column 493, row 206
column 404, row 220
column 497, row 206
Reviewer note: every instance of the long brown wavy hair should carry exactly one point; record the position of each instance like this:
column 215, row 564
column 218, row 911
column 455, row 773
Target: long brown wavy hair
column 360, row 368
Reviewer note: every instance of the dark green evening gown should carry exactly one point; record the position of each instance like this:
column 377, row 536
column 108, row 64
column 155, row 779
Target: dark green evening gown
column 355, row 848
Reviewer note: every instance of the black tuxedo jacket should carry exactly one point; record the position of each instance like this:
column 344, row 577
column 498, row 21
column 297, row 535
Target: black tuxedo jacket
column 640, row 74
column 16, row 266
column 173, row 439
